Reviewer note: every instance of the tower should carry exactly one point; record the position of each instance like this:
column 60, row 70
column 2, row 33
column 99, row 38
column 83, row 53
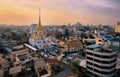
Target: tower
column 39, row 30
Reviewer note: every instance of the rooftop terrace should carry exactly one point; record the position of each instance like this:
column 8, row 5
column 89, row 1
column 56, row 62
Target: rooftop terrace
column 99, row 48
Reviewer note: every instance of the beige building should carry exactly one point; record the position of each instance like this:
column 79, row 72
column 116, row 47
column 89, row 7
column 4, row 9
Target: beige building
column 20, row 54
column 41, row 68
column 117, row 28
column 101, row 41
column 72, row 45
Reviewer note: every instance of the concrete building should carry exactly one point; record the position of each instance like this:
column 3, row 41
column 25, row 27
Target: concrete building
column 20, row 54
column 72, row 44
column 101, row 61
column 41, row 68
column 101, row 41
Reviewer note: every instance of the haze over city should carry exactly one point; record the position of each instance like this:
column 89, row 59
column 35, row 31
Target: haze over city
column 60, row 11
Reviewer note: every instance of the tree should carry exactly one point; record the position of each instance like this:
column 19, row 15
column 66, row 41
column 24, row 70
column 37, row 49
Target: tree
column 82, row 53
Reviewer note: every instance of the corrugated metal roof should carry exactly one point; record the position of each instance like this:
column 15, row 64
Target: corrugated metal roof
column 29, row 46
column 108, row 37
column 93, row 46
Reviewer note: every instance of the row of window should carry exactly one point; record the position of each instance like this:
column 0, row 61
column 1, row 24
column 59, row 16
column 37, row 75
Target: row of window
column 103, row 67
column 101, row 56
column 99, row 61
column 101, row 50
column 101, row 72
column 94, row 75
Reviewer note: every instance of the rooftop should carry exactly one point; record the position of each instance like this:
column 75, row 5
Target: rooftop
column 31, row 47
column 104, row 49
column 110, row 38
column 94, row 46
column 53, row 60
column 66, row 72
column 114, row 47
column 83, row 63
column 19, row 48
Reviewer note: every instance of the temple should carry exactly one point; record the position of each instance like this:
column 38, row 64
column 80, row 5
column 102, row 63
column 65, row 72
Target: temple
column 38, row 38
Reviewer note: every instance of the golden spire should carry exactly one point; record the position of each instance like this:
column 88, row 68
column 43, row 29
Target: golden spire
column 39, row 27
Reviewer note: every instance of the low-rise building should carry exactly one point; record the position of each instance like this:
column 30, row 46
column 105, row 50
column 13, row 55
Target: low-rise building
column 41, row 68
column 20, row 53
column 72, row 45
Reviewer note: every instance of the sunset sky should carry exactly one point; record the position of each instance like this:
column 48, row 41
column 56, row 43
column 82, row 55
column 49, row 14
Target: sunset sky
column 60, row 11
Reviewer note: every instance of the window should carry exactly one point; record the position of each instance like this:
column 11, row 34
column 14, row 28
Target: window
column 105, row 62
column 89, row 53
column 105, row 57
column 96, row 70
column 89, row 63
column 89, row 58
column 89, row 68
column 96, row 65
column 104, row 67
column 105, row 41
column 105, row 72
column 97, row 60
column 99, row 44
column 96, row 55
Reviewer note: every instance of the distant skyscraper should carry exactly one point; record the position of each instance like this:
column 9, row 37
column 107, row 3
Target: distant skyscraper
column 101, row 62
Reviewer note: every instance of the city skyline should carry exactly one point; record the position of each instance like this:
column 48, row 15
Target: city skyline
column 60, row 12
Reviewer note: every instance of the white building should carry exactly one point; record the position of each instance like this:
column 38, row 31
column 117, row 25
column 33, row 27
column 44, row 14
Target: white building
column 101, row 61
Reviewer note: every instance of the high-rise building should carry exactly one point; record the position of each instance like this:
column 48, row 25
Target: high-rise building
column 101, row 61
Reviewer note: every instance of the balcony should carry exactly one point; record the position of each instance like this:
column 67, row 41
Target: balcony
column 101, row 59
column 101, row 53
column 101, row 69
column 101, row 64
column 101, row 75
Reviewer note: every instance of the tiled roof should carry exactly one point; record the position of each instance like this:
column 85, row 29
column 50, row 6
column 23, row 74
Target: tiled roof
column 53, row 60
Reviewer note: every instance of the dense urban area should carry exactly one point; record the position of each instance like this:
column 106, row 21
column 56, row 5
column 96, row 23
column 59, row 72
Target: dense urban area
column 72, row 50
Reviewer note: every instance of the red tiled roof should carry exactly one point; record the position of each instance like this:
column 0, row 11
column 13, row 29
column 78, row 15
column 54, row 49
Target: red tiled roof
column 53, row 60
